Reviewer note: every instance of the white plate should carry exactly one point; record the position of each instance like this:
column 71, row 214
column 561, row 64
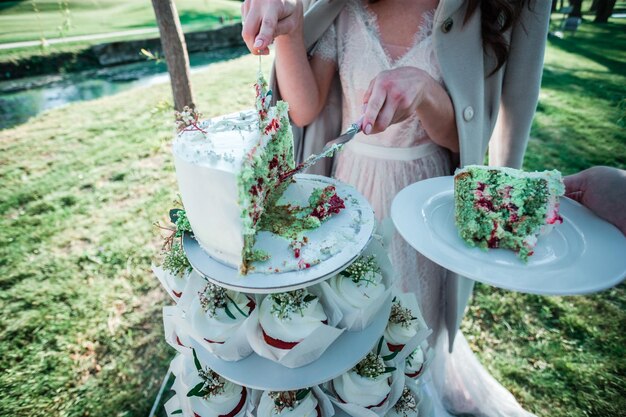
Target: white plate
column 585, row 254
column 331, row 247
column 260, row 373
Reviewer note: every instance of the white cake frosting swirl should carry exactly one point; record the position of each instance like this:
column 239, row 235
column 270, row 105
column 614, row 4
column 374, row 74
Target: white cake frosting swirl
column 400, row 328
column 358, row 294
column 224, row 402
column 296, row 325
column 219, row 326
column 366, row 392
column 307, row 407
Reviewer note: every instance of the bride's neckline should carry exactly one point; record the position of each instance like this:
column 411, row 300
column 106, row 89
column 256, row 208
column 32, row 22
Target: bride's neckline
column 370, row 20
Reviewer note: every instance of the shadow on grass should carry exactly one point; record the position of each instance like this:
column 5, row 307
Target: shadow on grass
column 597, row 42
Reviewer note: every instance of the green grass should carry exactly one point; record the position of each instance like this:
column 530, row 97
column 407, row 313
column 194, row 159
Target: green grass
column 20, row 22
column 80, row 322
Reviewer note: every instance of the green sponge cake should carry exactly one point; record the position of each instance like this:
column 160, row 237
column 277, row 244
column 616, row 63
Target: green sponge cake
column 506, row 208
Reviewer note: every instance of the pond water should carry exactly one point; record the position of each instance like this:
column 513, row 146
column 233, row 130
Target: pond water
column 26, row 97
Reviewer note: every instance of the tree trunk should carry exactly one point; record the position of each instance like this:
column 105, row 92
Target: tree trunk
column 577, row 11
column 604, row 10
column 175, row 50
column 594, row 5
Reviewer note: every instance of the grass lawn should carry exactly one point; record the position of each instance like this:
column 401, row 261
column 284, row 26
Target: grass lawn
column 80, row 313
column 47, row 19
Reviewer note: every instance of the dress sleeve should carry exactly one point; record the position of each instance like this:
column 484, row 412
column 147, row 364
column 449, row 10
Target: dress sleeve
column 326, row 47
column 520, row 88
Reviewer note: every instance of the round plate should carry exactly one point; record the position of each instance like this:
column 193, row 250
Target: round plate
column 342, row 355
column 330, row 248
column 585, row 254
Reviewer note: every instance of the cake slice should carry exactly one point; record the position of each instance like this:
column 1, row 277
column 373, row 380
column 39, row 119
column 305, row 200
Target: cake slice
column 497, row 207
column 229, row 170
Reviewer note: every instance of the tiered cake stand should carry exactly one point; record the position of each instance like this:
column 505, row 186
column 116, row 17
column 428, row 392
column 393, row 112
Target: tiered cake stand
column 256, row 372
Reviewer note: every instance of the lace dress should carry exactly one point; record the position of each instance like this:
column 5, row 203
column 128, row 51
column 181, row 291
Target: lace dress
column 381, row 165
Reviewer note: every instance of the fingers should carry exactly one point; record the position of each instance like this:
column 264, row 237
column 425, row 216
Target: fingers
column 264, row 20
column 575, row 186
column 374, row 100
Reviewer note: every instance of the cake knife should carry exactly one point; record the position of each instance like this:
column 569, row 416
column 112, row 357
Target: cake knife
column 329, row 149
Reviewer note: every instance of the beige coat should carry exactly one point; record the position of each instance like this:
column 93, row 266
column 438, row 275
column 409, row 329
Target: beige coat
column 492, row 112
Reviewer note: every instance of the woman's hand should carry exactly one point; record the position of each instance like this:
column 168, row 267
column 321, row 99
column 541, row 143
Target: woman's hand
column 603, row 191
column 264, row 20
column 393, row 96
column 397, row 94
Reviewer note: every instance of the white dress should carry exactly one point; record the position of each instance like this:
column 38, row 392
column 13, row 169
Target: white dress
column 381, row 165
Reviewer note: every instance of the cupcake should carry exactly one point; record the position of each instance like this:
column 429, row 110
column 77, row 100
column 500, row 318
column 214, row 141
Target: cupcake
column 210, row 395
column 414, row 363
column 403, row 325
column 288, row 318
column 406, row 406
column 221, row 313
column 301, row 403
column 367, row 385
column 360, row 284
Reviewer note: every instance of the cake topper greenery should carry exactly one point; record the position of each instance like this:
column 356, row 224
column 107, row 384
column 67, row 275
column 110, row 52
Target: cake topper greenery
column 288, row 399
column 406, row 405
column 287, row 303
column 401, row 315
column 212, row 384
column 372, row 366
column 175, row 260
column 213, row 297
column 188, row 120
column 362, row 270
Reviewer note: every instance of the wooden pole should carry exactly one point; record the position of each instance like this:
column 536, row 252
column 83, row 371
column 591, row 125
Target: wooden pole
column 175, row 50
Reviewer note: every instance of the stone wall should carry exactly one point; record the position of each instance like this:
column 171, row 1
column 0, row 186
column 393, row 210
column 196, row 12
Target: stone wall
column 116, row 53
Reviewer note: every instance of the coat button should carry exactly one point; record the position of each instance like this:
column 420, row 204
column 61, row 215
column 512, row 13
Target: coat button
column 446, row 26
column 468, row 113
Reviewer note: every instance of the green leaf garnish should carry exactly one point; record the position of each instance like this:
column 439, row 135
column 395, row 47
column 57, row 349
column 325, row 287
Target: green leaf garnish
column 196, row 361
column 228, row 313
column 196, row 391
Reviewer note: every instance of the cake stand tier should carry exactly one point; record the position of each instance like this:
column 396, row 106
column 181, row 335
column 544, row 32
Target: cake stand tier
column 329, row 249
column 342, row 355
column 585, row 254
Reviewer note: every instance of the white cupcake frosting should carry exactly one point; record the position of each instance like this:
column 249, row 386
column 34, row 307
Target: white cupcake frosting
column 220, row 326
column 366, row 392
column 400, row 333
column 358, row 294
column 215, row 405
column 308, row 407
column 296, row 326
column 414, row 362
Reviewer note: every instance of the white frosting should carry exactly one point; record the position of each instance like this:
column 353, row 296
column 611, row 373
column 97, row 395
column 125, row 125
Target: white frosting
column 414, row 362
column 296, row 326
column 356, row 389
column 219, row 327
column 306, row 408
column 397, row 334
column 358, row 295
column 216, row 405
column 207, row 166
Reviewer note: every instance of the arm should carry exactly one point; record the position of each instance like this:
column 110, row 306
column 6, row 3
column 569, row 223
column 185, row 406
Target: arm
column 520, row 86
column 304, row 83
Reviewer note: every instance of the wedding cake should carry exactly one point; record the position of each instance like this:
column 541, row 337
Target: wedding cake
column 300, row 403
column 506, row 208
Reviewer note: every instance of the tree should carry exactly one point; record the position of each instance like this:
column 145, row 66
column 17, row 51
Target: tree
column 175, row 50
column 577, row 8
column 604, row 10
